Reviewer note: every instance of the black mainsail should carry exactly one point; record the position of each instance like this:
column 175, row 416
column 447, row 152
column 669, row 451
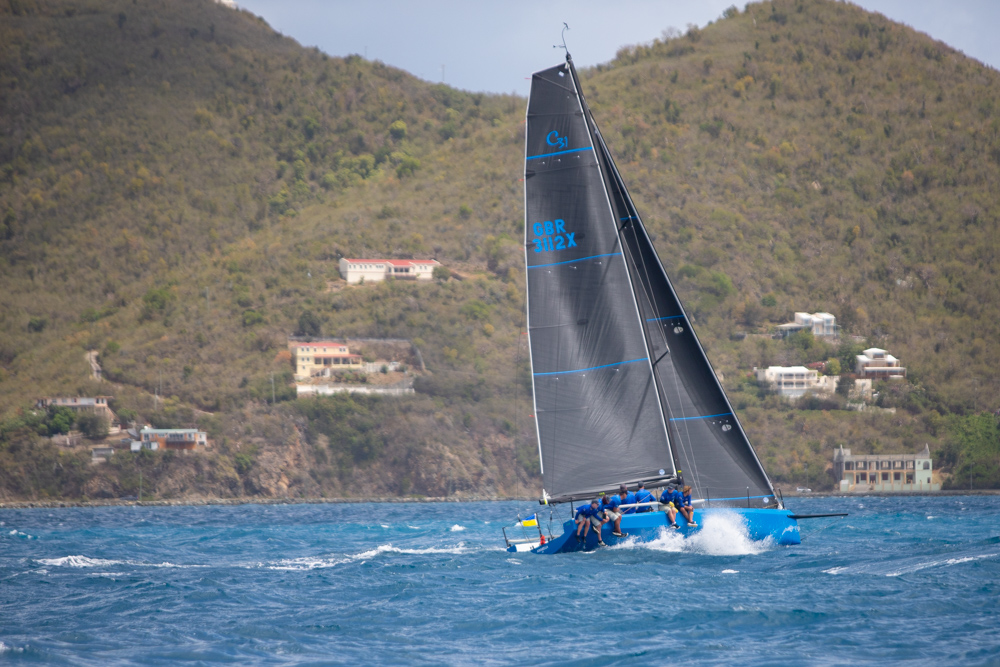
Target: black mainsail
column 623, row 389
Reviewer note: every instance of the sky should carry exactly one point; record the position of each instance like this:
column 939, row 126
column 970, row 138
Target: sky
column 495, row 46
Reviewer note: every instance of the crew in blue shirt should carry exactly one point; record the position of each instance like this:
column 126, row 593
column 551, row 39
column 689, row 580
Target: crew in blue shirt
column 612, row 513
column 644, row 496
column 669, row 506
column 626, row 497
column 685, row 507
column 587, row 514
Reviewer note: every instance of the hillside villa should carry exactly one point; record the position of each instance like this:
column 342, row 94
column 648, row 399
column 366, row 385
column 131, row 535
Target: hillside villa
column 95, row 404
column 172, row 438
column 355, row 271
column 319, row 358
column 879, row 365
column 820, row 324
column 863, row 473
column 796, row 381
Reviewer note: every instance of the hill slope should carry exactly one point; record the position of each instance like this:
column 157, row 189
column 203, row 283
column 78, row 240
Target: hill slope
column 179, row 181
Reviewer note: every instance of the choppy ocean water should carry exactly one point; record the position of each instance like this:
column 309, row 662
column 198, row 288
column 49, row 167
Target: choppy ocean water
column 899, row 580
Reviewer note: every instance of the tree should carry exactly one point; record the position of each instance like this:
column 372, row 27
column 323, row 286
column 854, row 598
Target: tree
column 309, row 324
column 397, row 130
column 60, row 420
column 93, row 425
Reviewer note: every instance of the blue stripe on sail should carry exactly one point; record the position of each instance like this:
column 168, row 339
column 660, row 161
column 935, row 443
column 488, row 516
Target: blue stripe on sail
column 628, row 217
column 684, row 419
column 594, row 368
column 671, row 317
column 570, row 261
column 703, row 500
column 572, row 150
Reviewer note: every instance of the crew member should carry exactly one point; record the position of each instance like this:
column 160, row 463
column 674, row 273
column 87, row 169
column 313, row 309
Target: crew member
column 613, row 514
column 685, row 507
column 584, row 514
column 667, row 504
column 644, row 496
column 626, row 497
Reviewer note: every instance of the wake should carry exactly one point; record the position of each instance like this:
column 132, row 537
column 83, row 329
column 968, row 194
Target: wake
column 721, row 534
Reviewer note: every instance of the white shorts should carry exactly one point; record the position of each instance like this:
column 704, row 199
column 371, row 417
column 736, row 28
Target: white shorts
column 613, row 515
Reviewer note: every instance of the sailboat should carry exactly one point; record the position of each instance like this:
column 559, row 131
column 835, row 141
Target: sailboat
column 623, row 390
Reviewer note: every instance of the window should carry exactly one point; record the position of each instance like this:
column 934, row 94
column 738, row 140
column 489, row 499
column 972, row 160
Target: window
column 898, row 465
column 909, row 465
column 861, row 465
column 885, row 477
column 862, row 477
column 849, row 465
column 896, row 476
column 927, row 465
column 909, row 478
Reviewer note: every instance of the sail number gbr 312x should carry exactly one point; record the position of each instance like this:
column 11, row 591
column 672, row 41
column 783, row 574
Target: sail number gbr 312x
column 552, row 235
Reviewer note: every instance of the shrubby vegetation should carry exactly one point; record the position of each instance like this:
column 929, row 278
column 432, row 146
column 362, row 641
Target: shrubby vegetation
column 177, row 187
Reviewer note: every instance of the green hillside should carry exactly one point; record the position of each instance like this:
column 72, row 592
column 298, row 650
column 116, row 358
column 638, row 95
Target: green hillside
column 179, row 181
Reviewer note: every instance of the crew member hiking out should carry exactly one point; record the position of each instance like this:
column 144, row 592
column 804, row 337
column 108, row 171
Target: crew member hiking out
column 584, row 515
column 613, row 513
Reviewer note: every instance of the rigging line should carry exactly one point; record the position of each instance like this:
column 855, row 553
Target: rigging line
column 604, row 172
column 760, row 466
column 622, row 200
column 685, row 440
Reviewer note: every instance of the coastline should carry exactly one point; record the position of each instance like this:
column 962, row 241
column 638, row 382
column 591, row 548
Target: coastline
column 196, row 502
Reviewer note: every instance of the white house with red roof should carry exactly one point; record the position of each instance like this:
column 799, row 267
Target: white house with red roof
column 355, row 271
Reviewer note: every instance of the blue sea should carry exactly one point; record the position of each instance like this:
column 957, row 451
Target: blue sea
column 899, row 580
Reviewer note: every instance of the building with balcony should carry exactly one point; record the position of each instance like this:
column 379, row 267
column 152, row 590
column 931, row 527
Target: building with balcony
column 796, row 381
column 321, row 358
column 173, row 438
column 878, row 364
column 864, row 473
column 95, row 404
column 820, row 324
column 355, row 271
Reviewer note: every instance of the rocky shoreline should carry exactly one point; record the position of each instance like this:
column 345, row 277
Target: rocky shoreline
column 195, row 502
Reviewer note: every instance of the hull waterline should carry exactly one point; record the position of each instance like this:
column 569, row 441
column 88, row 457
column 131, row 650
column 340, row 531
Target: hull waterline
column 774, row 525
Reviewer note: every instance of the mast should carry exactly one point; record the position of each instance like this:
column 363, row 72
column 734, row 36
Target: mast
column 717, row 457
column 604, row 158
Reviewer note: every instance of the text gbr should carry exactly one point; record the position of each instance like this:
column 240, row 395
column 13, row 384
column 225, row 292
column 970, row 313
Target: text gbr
column 552, row 235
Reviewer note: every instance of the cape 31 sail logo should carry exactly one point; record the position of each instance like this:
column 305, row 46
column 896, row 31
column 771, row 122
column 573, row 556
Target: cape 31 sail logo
column 552, row 235
column 553, row 139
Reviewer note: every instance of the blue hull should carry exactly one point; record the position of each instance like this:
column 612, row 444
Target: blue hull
column 775, row 525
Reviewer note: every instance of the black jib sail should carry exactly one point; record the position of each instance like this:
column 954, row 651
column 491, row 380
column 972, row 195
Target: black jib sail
column 623, row 389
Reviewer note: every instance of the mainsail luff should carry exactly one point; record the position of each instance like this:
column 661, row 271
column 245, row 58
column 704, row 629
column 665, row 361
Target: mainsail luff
column 709, row 443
